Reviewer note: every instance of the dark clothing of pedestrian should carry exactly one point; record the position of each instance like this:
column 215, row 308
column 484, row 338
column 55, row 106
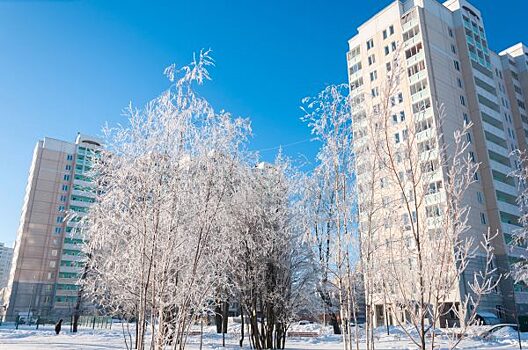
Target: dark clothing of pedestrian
column 58, row 326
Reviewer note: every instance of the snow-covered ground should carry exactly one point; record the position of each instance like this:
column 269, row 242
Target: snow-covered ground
column 28, row 338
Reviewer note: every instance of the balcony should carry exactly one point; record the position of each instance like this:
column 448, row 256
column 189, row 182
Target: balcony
column 420, row 95
column 73, row 269
column 409, row 25
column 418, row 57
column 417, row 77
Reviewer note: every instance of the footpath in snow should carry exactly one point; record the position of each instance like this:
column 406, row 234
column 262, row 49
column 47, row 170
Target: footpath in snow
column 28, row 338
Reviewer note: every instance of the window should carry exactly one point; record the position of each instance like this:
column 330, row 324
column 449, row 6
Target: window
column 457, row 65
column 65, row 187
column 371, row 60
column 52, row 263
column 402, row 116
column 66, row 177
column 69, row 157
column 354, row 52
column 59, row 219
column 419, row 86
column 453, row 49
column 370, row 44
column 421, row 106
column 468, row 137
column 391, row 30
column 388, row 66
column 413, row 50
column 479, row 197
column 397, row 138
column 355, row 68
column 394, row 119
column 418, row 67
column 384, row 34
column 462, row 100
column 450, row 31
column 68, row 167
column 434, row 187
column 61, row 208
column 387, row 50
column 58, row 230
column 50, row 275
column 393, row 46
column 63, row 198
column 459, row 82
column 411, row 33
column 483, row 218
column 373, row 75
column 374, row 92
column 466, row 119
column 54, row 252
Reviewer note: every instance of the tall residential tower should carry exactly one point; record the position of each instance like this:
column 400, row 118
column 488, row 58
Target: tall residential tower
column 446, row 60
column 46, row 261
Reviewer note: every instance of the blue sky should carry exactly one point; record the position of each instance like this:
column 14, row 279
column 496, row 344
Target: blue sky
column 69, row 66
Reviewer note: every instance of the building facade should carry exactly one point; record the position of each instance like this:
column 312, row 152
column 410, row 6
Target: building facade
column 446, row 60
column 6, row 254
column 47, row 260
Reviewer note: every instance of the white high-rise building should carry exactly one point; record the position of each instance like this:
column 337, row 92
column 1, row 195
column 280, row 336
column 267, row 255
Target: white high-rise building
column 447, row 59
column 47, row 261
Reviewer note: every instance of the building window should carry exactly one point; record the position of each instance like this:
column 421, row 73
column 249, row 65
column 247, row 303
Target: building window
column 384, row 34
column 462, row 100
column 370, row 44
column 65, row 187
column 457, row 65
column 68, row 167
column 387, row 50
column 375, row 92
column 389, row 66
column 450, row 31
column 459, row 82
column 371, row 60
column 397, row 138
column 50, row 275
column 400, row 97
column 58, row 230
column 69, row 157
column 391, row 30
column 393, row 46
column 468, row 137
column 373, row 75
column 52, row 263
column 63, row 198
column 59, row 219
column 402, row 116
column 54, row 252
column 66, row 177
column 453, row 49
column 479, row 197
column 482, row 218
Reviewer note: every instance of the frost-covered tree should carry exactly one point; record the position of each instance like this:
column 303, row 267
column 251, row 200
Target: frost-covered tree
column 155, row 232
column 332, row 200
column 271, row 268
column 520, row 236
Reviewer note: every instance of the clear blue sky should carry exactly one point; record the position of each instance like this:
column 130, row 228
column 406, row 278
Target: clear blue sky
column 69, row 66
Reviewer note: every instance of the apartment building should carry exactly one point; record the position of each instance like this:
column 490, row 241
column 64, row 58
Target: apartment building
column 447, row 61
column 47, row 260
column 6, row 254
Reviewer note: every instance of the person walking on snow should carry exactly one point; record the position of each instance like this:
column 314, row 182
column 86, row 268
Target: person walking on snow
column 58, row 326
